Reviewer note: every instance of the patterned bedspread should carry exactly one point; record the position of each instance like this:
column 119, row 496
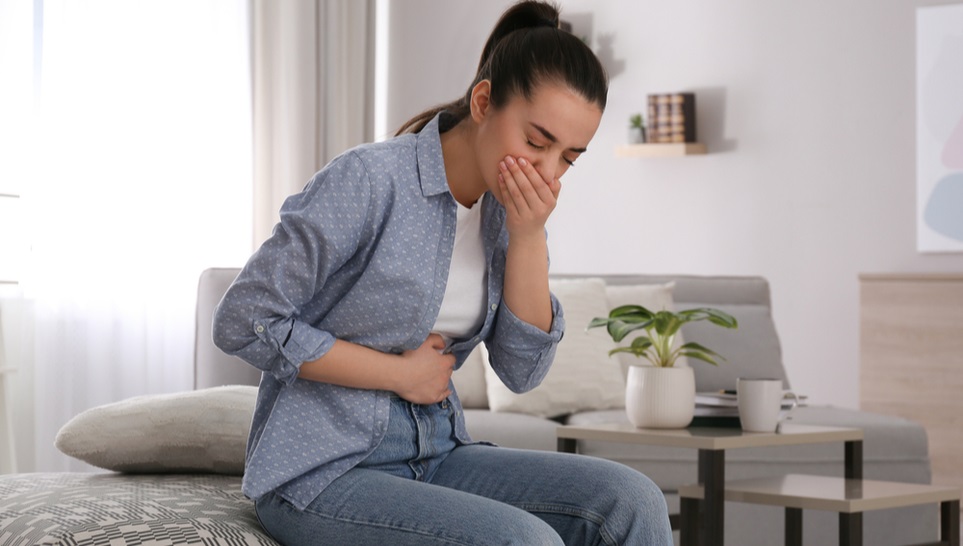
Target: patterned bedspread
column 126, row 509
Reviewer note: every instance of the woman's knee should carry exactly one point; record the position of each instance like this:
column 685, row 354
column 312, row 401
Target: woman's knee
column 643, row 490
column 527, row 530
column 637, row 511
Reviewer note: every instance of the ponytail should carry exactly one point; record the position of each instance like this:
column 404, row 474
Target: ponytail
column 527, row 48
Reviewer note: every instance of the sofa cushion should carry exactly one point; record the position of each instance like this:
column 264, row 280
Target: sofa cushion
column 751, row 350
column 194, row 431
column 582, row 377
column 515, row 430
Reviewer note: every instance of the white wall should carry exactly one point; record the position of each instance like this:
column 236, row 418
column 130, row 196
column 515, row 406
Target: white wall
column 808, row 112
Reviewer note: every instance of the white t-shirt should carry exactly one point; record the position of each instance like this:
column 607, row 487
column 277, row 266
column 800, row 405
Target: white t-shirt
column 463, row 308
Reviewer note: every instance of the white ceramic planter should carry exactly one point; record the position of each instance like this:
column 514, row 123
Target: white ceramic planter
column 636, row 135
column 660, row 397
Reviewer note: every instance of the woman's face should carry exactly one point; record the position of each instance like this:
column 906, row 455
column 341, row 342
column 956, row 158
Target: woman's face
column 550, row 130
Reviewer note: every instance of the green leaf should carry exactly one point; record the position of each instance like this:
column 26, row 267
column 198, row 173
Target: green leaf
column 641, row 343
column 720, row 318
column 629, row 350
column 660, row 328
column 667, row 323
column 715, row 316
column 697, row 347
column 598, row 321
column 694, row 350
column 619, row 329
column 631, row 312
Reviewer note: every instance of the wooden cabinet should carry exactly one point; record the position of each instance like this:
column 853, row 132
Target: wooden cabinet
column 911, row 359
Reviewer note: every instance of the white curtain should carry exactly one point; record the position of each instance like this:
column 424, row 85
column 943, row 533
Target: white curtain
column 160, row 126
column 143, row 179
column 313, row 93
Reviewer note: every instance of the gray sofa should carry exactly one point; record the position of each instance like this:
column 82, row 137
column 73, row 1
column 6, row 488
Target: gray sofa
column 180, row 455
column 894, row 449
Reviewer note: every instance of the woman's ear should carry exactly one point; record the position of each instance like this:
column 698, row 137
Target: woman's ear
column 481, row 96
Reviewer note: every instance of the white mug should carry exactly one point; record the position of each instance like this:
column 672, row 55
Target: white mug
column 759, row 403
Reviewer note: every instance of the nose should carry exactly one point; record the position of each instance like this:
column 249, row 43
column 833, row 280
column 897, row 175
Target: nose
column 549, row 167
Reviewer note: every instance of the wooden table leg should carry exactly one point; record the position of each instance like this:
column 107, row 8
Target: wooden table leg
column 854, row 460
column 712, row 476
column 689, row 524
column 794, row 527
column 851, row 529
column 950, row 522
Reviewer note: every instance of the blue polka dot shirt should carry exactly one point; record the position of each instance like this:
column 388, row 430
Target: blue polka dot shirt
column 361, row 254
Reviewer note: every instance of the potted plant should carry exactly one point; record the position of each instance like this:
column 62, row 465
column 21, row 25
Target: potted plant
column 658, row 393
column 636, row 129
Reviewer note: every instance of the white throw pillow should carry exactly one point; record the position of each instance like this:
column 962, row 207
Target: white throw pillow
column 654, row 297
column 469, row 380
column 583, row 377
column 194, row 431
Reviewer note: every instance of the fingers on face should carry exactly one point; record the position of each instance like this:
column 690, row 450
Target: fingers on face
column 525, row 184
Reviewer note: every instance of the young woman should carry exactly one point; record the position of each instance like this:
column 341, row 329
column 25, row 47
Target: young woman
column 392, row 264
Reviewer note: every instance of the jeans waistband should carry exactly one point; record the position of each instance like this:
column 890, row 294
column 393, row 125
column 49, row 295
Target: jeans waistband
column 394, row 398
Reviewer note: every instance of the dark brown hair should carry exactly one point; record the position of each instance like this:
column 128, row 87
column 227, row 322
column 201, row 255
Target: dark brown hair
column 527, row 48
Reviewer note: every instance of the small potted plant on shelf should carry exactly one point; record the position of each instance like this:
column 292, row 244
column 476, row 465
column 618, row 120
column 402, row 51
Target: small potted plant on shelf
column 658, row 393
column 636, row 129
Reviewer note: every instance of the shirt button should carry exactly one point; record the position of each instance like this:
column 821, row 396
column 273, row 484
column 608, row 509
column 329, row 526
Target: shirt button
column 494, row 306
column 259, row 329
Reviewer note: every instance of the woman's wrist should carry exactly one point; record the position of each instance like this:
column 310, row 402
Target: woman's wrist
column 351, row 365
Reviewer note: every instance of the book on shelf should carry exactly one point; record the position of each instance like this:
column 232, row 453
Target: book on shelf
column 671, row 118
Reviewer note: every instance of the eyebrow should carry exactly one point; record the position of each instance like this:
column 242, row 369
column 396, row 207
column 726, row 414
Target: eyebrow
column 551, row 137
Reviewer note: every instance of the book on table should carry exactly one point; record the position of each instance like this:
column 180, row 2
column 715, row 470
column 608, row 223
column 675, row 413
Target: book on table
column 729, row 399
column 721, row 409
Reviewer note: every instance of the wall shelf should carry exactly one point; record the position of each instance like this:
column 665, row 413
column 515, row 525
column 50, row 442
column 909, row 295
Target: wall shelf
column 661, row 150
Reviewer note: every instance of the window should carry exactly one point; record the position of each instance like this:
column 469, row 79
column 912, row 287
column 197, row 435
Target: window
column 16, row 112
column 125, row 139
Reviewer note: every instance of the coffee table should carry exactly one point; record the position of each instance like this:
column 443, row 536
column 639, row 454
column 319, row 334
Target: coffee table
column 849, row 498
column 712, row 443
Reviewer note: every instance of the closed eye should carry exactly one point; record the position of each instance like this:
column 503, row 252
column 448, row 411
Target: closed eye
column 536, row 146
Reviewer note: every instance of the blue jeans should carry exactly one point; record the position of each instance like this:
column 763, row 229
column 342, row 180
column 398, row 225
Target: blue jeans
column 420, row 487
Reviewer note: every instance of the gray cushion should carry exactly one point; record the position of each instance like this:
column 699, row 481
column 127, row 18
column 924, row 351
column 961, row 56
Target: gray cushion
column 752, row 350
column 192, row 431
column 507, row 429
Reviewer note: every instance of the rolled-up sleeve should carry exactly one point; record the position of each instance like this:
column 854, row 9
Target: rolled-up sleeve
column 259, row 318
column 521, row 353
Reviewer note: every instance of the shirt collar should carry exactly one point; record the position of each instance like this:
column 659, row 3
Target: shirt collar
column 431, row 163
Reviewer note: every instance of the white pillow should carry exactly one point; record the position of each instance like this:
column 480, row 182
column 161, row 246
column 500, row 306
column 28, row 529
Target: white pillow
column 194, row 431
column 583, row 377
column 469, row 380
column 654, row 297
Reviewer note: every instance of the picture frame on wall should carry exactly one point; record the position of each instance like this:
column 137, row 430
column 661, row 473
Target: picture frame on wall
column 939, row 128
